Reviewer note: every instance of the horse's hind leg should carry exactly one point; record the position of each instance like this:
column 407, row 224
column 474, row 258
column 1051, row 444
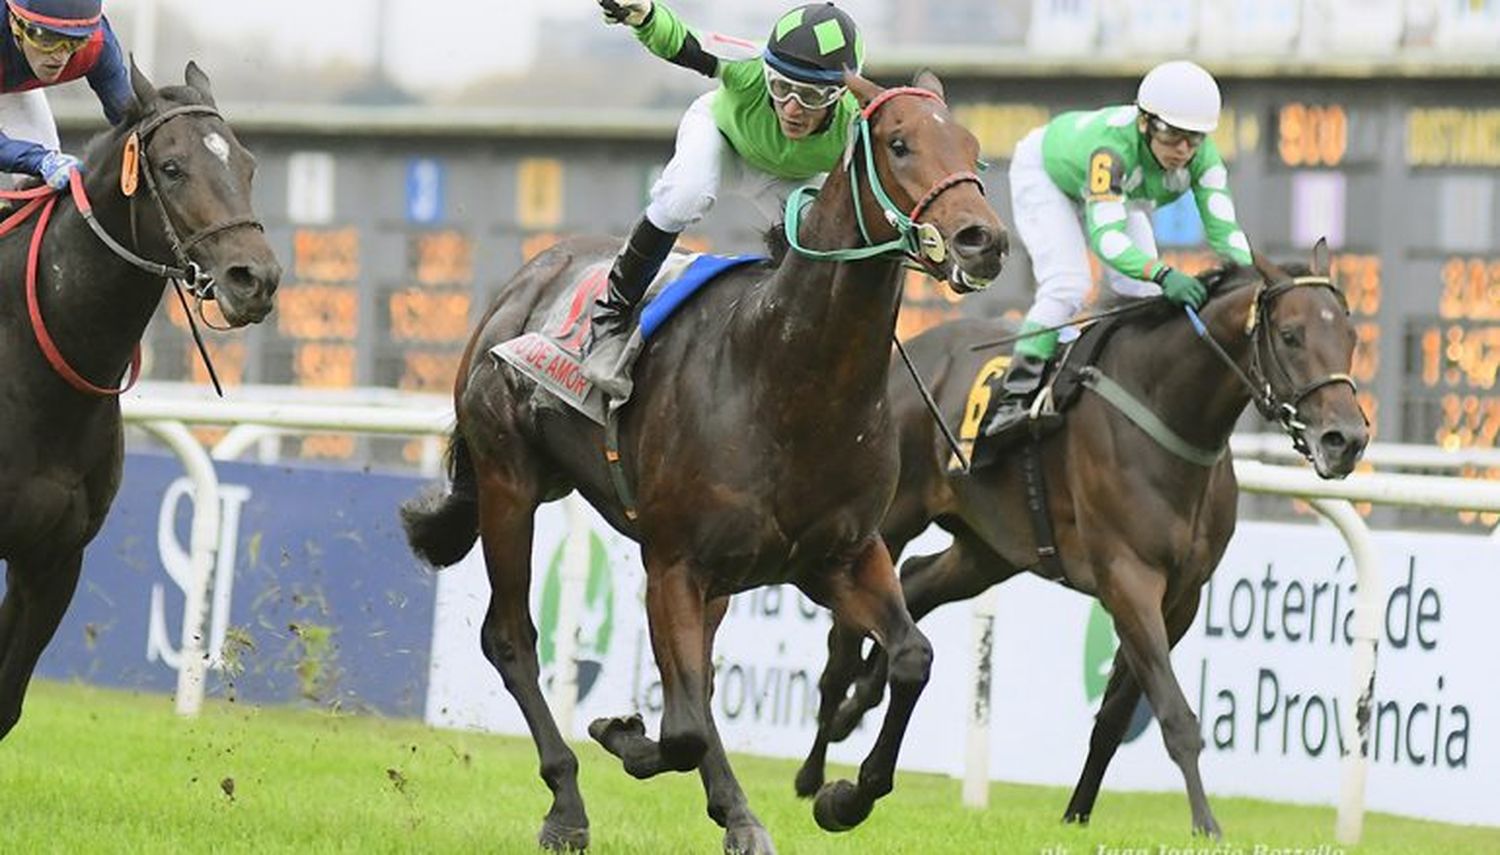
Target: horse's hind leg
column 508, row 639
column 37, row 593
column 866, row 597
column 675, row 614
column 1134, row 598
column 1117, row 710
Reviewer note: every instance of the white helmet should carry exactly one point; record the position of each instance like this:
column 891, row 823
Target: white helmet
column 1181, row 94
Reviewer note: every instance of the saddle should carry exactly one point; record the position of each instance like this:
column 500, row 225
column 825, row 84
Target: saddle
column 552, row 356
column 1060, row 389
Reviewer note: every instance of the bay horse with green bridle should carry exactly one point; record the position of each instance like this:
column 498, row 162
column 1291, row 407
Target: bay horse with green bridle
column 758, row 445
column 1138, row 490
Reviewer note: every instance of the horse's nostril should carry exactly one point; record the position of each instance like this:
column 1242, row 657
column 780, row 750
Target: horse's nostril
column 1334, row 441
column 256, row 277
column 972, row 240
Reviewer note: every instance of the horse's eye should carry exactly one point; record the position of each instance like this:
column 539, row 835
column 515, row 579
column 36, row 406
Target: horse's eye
column 170, row 169
column 1291, row 338
column 898, row 147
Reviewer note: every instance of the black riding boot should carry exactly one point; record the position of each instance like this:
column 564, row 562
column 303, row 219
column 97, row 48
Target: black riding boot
column 1021, row 381
column 635, row 266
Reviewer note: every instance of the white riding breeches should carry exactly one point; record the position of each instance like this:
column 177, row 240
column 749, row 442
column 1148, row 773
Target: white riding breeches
column 1051, row 226
column 26, row 116
column 703, row 164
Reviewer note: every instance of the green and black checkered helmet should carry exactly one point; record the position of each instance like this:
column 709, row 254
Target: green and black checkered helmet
column 814, row 44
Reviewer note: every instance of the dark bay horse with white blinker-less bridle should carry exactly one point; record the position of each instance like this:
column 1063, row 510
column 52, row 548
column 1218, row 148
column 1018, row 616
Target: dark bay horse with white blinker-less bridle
column 1137, row 525
column 759, row 445
column 78, row 284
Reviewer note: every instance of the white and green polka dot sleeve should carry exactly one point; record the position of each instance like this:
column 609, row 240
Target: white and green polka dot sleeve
column 1216, row 206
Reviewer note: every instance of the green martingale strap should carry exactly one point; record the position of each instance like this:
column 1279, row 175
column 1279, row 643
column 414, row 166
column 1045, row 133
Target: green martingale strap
column 1105, row 387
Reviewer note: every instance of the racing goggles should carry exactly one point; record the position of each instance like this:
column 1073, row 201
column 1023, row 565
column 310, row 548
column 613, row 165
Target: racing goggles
column 1168, row 135
column 43, row 39
column 812, row 96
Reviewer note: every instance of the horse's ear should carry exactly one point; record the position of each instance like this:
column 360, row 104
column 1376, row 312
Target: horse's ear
column 1321, row 258
column 145, row 91
column 1269, row 271
column 199, row 81
column 864, row 90
column 926, row 79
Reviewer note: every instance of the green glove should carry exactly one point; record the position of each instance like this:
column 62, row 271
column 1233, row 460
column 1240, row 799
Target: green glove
column 1042, row 345
column 1182, row 289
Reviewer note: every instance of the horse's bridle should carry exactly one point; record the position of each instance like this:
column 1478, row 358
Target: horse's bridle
column 1280, row 407
column 187, row 271
column 1283, row 408
column 134, row 164
column 918, row 241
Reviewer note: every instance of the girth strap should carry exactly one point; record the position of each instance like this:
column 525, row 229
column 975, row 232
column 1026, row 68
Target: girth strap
column 1138, row 413
column 616, row 465
column 1036, row 504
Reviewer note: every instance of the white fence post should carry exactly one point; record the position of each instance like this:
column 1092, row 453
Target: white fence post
column 1366, row 632
column 977, row 743
column 573, row 585
column 203, row 546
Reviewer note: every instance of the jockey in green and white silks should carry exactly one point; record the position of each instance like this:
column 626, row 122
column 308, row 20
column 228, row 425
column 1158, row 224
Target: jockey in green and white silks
column 781, row 116
column 1089, row 181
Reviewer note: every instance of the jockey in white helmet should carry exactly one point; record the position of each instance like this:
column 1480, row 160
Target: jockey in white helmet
column 1089, row 180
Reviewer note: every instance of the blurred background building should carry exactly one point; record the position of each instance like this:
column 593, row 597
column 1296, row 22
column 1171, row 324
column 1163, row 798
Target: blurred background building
column 560, row 53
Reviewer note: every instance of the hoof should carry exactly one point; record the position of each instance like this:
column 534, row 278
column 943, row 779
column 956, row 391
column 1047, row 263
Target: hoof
column 837, row 806
column 603, row 729
column 748, row 840
column 1209, row 828
column 558, row 838
column 809, row 780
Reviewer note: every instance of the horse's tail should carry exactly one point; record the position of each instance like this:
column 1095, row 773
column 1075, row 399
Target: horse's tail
column 442, row 527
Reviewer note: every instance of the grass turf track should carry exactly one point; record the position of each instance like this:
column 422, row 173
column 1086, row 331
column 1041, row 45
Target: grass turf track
column 90, row 770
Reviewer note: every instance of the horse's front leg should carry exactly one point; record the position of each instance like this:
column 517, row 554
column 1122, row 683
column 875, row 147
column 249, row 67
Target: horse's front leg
column 743, row 832
column 839, row 673
column 1117, row 710
column 37, row 592
column 675, row 614
column 1133, row 593
column 865, row 596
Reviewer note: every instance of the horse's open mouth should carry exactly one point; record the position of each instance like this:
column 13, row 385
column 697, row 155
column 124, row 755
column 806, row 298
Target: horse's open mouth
column 977, row 275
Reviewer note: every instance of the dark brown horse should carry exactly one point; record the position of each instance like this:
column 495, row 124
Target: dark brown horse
column 1137, row 525
column 61, row 445
column 760, row 451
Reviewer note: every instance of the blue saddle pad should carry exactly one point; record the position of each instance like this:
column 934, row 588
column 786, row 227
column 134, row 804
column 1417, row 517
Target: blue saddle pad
column 698, row 273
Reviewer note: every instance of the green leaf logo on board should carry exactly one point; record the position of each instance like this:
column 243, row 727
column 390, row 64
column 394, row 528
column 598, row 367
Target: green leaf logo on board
column 1099, row 646
column 596, row 621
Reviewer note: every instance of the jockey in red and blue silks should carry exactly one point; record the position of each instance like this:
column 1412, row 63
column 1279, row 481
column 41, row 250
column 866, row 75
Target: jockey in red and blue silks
column 47, row 42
